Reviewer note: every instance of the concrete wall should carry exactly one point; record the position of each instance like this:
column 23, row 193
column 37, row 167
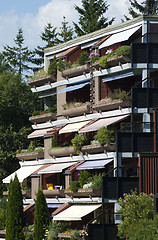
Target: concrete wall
column 47, row 146
column 35, row 184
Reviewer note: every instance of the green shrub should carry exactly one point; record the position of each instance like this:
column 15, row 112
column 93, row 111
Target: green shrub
column 29, row 236
column 31, row 146
column 97, row 181
column 52, row 69
column 103, row 60
column 83, row 178
column 83, row 58
column 74, row 186
column 75, row 235
column 104, row 136
column 120, row 94
column 123, row 50
column 35, row 113
column 78, row 141
column 94, row 59
column 54, row 142
column 61, row 65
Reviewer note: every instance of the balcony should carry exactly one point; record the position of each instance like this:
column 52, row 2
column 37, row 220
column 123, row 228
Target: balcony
column 136, row 137
column 145, row 97
column 76, row 111
column 43, row 118
column 30, row 155
column 53, row 193
column 25, row 193
column 84, row 192
column 115, row 61
column 76, row 71
column 62, row 151
column 109, row 104
column 41, row 80
column 97, row 148
column 114, row 188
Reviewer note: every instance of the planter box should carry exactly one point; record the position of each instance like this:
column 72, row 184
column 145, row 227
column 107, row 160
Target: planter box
column 72, row 72
column 77, row 111
column 54, row 193
column 30, row 155
column 113, row 61
column 111, row 105
column 25, row 193
column 84, row 192
column 63, row 151
column 97, row 148
column 42, row 80
column 43, row 118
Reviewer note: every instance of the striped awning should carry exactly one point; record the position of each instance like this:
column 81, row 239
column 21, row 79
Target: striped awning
column 104, row 122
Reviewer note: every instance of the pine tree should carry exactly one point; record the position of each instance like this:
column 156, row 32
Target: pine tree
column 146, row 7
column 66, row 31
column 91, row 16
column 41, row 220
column 18, row 57
column 15, row 216
column 50, row 36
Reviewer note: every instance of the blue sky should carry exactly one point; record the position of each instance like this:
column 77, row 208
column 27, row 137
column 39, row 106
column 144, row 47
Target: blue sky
column 33, row 15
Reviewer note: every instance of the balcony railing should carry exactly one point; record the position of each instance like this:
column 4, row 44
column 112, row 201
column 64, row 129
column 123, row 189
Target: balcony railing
column 136, row 137
column 114, row 188
column 145, row 97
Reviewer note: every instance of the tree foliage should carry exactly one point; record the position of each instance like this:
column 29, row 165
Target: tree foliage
column 91, row 16
column 67, row 32
column 144, row 8
column 41, row 220
column 15, row 216
column 18, row 57
column 139, row 219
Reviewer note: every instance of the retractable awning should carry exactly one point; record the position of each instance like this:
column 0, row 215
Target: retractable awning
column 104, row 122
column 119, row 76
column 56, row 168
column 74, row 87
column 76, row 212
column 73, row 127
column 119, row 37
column 97, row 164
column 22, row 173
column 39, row 133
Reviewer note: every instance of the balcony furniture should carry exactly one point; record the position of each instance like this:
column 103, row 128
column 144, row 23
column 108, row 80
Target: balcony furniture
column 43, row 118
column 63, row 151
column 110, row 105
column 30, row 155
column 97, row 148
column 72, row 72
column 76, row 111
column 42, row 80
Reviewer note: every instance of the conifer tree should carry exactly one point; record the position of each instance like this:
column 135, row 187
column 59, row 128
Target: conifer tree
column 91, row 16
column 15, row 216
column 144, row 8
column 50, row 36
column 18, row 57
column 66, row 31
column 41, row 220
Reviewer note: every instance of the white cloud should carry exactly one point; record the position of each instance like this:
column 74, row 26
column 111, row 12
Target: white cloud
column 53, row 12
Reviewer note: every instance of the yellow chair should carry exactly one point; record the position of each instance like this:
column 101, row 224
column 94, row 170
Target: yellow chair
column 50, row 186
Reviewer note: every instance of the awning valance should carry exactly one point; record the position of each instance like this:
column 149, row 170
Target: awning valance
column 98, row 164
column 119, row 37
column 76, row 212
column 22, row 173
column 104, row 122
column 39, row 133
column 56, row 168
column 119, row 76
column 73, row 127
column 74, row 87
